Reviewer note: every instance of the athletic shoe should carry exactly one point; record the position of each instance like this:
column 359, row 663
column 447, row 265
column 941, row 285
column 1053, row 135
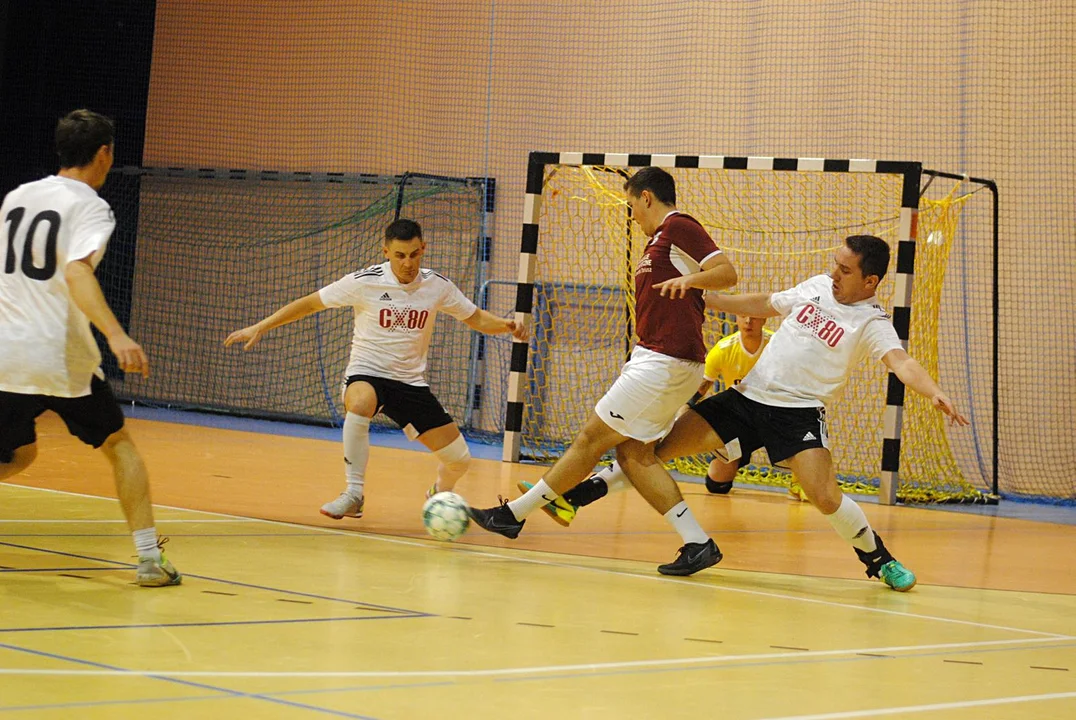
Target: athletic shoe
column 344, row 506
column 718, row 488
column 881, row 564
column 498, row 520
column 796, row 491
column 691, row 558
column 562, row 511
column 432, row 491
column 897, row 576
column 157, row 573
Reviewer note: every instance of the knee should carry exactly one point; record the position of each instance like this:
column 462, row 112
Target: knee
column 118, row 444
column 456, row 456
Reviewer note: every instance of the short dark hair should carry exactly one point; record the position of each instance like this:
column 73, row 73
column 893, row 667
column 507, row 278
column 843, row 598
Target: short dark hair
column 402, row 230
column 660, row 184
column 873, row 254
column 80, row 134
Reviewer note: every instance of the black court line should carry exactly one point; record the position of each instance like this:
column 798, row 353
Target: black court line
column 120, row 565
column 221, row 623
column 53, row 569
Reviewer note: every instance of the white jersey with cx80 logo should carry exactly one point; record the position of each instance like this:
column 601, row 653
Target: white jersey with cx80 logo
column 394, row 322
column 46, row 347
column 809, row 358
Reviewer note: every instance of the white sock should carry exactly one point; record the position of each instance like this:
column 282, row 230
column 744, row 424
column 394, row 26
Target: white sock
column 684, row 522
column 851, row 524
column 533, row 499
column 614, row 478
column 146, row 543
column 356, row 452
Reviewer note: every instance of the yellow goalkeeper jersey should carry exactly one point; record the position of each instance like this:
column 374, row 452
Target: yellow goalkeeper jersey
column 728, row 360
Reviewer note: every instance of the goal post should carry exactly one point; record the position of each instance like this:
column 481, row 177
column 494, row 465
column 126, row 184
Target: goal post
column 778, row 219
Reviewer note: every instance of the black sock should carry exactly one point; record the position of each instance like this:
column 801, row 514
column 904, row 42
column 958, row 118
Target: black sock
column 586, row 492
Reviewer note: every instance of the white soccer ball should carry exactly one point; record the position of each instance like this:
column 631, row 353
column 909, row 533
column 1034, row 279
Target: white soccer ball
column 445, row 516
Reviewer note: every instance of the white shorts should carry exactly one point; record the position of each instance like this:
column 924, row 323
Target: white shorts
column 643, row 401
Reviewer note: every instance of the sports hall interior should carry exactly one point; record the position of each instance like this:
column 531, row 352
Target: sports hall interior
column 261, row 149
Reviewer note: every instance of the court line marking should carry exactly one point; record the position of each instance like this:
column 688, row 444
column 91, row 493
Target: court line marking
column 716, row 660
column 929, row 708
column 117, row 522
column 485, row 551
column 209, row 623
column 125, row 565
column 229, row 693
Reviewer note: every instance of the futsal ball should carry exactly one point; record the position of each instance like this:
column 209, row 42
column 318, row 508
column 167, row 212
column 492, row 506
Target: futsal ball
column 445, row 516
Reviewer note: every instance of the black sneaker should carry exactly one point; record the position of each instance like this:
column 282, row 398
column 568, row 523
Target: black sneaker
column 498, row 520
column 693, row 557
column 718, row 488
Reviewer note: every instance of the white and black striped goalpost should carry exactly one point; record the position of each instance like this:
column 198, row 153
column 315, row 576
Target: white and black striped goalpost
column 910, row 172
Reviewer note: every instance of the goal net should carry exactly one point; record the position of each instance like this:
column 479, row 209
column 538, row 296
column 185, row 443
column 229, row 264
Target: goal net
column 779, row 221
column 200, row 253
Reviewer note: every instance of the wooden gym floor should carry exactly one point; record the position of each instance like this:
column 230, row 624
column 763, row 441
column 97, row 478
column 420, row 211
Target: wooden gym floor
column 286, row 614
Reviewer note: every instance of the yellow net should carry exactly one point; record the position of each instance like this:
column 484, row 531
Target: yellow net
column 777, row 228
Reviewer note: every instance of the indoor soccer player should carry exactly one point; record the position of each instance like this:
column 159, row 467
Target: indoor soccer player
column 831, row 324
column 395, row 304
column 666, row 366
column 57, row 230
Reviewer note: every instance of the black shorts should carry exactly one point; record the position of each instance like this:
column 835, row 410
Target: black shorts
column 413, row 407
column 746, row 425
column 91, row 418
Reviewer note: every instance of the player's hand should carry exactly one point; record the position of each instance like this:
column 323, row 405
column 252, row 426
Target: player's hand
column 675, row 288
column 943, row 403
column 129, row 354
column 518, row 329
column 249, row 336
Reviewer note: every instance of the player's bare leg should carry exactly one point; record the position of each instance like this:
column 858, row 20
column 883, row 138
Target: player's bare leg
column 360, row 402
column 648, row 474
column 720, row 476
column 132, row 489
column 21, row 459
column 814, row 470
column 451, row 450
column 594, row 440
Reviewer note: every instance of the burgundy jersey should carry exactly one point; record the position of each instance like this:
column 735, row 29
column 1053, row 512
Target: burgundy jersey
column 672, row 327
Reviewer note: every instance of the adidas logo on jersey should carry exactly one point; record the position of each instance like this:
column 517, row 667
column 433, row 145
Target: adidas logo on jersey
column 816, row 298
column 385, row 296
column 809, row 436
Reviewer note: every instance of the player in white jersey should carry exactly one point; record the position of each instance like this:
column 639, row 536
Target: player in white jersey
column 57, row 229
column 395, row 305
column 831, row 324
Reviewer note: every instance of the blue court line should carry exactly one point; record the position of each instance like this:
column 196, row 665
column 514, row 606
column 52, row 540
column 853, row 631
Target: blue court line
column 152, row 626
column 235, row 583
column 189, row 683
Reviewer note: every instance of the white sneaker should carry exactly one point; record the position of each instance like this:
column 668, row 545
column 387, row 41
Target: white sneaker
column 344, row 506
column 157, row 573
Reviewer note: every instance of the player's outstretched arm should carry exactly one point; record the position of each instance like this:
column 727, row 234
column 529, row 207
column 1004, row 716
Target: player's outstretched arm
column 295, row 310
column 716, row 274
column 490, row 324
column 915, row 376
column 752, row 304
column 86, row 293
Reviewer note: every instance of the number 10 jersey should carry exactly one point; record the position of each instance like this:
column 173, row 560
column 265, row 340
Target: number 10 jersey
column 46, row 347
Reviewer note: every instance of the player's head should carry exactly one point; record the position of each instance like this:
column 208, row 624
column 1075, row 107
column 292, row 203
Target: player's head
column 404, row 247
column 749, row 327
column 860, row 264
column 84, row 139
column 651, row 195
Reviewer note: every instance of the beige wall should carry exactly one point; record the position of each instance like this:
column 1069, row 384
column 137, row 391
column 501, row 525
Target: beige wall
column 469, row 87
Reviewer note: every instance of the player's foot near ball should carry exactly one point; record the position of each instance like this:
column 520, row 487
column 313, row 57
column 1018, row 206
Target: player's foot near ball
column 718, row 488
column 498, row 520
column 344, row 506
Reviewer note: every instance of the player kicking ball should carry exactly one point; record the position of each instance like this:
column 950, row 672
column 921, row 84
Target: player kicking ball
column 665, row 368
column 831, row 324
column 395, row 305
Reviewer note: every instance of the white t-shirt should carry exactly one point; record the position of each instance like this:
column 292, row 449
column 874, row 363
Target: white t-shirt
column 809, row 358
column 46, row 347
column 394, row 322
